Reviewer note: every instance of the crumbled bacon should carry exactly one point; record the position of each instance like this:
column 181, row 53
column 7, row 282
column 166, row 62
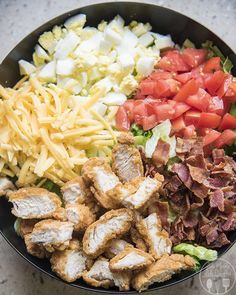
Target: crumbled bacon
column 202, row 192
column 217, row 200
column 161, row 153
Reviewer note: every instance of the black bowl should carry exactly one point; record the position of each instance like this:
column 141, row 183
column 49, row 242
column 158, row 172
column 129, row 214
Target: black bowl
column 164, row 21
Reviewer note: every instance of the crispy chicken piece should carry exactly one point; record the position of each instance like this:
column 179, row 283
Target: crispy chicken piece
column 31, row 202
column 34, row 249
column 52, row 234
column 80, row 215
column 126, row 138
column 98, row 174
column 70, row 264
column 101, row 276
column 126, row 162
column 6, row 186
column 156, row 238
column 162, row 270
column 137, row 239
column 26, row 226
column 74, row 191
column 137, row 193
column 130, row 259
column 116, row 246
column 113, row 224
column 60, row 214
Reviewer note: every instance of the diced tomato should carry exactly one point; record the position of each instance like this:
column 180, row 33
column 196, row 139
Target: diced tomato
column 180, row 108
column 200, row 100
column 216, row 105
column 204, row 131
column 178, row 124
column 129, row 107
column 210, row 137
column 172, row 103
column 209, row 120
column 165, row 88
column 215, row 82
column 227, row 137
column 161, row 89
column 192, row 118
column 190, row 88
column 164, row 111
column 147, row 87
column 138, row 95
column 165, row 52
column 173, row 62
column 227, row 81
column 140, row 111
column 149, row 122
column 198, row 75
column 194, row 57
column 122, row 120
column 189, row 131
column 212, row 65
column 174, row 86
column 160, row 75
column 183, row 78
column 227, row 105
column 228, row 122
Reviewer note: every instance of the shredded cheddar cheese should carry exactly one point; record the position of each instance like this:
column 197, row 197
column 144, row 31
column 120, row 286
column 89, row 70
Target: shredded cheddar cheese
column 44, row 133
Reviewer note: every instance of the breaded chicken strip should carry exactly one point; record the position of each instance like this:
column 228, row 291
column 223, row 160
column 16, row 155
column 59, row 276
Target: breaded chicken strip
column 111, row 225
column 126, row 162
column 70, row 264
column 31, row 202
column 52, row 234
column 98, row 174
column 6, row 186
column 26, row 226
column 156, row 238
column 80, row 215
column 130, row 259
column 116, row 246
column 137, row 239
column 162, row 270
column 100, row 276
column 136, row 193
column 75, row 191
column 34, row 249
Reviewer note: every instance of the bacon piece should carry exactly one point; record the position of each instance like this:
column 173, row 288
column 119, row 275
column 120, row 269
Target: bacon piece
column 217, row 200
column 161, row 153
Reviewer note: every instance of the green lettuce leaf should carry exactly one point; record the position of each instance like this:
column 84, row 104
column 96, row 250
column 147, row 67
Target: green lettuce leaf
column 51, row 186
column 199, row 252
column 188, row 44
column 17, row 226
column 140, row 136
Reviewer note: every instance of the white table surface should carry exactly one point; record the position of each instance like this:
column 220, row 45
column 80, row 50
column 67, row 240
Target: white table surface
column 20, row 17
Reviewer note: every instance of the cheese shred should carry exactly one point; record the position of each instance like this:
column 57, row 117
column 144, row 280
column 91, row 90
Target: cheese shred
column 44, row 134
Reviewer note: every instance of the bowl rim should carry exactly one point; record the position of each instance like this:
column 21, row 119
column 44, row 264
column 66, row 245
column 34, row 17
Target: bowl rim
column 68, row 14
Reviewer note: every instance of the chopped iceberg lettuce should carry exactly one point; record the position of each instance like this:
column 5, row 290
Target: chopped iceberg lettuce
column 161, row 131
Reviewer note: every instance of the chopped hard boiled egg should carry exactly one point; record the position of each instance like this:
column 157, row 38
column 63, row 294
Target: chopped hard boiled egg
column 113, row 57
column 75, row 21
column 48, row 72
column 65, row 67
column 114, row 99
column 145, row 65
column 26, row 68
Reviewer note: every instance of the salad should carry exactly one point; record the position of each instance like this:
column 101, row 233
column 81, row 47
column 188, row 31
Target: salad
column 117, row 153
